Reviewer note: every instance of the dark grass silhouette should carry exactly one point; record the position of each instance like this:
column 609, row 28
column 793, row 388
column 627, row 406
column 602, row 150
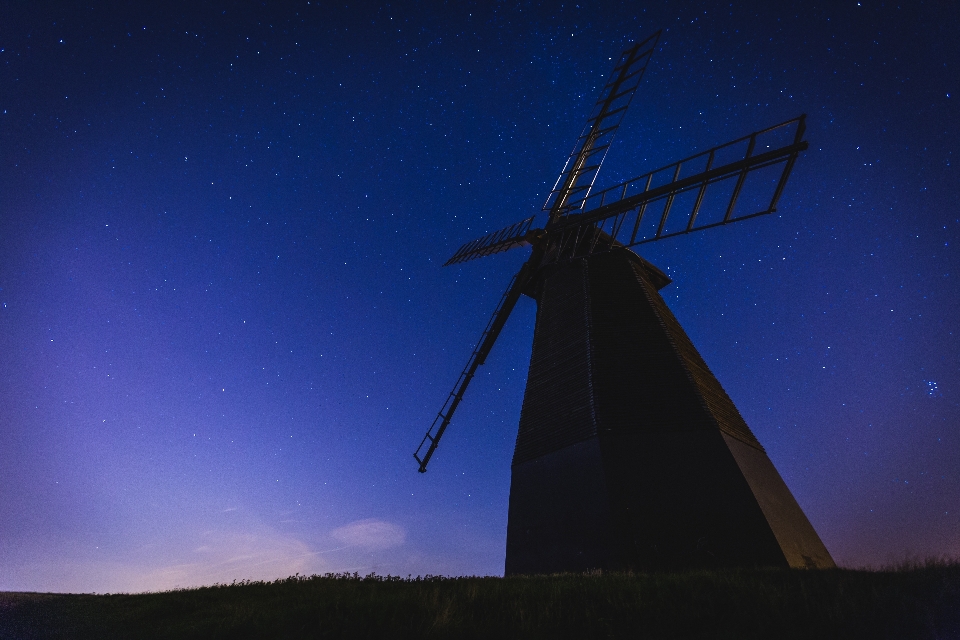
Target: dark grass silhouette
column 919, row 601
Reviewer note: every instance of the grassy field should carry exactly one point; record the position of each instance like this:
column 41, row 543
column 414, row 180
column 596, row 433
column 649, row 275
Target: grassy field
column 916, row 602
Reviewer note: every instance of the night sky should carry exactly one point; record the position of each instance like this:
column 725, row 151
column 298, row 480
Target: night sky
column 224, row 327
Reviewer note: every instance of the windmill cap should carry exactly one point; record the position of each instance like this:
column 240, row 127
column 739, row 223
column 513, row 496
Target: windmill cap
column 656, row 277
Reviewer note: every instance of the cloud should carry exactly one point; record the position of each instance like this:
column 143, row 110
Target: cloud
column 371, row 534
column 224, row 556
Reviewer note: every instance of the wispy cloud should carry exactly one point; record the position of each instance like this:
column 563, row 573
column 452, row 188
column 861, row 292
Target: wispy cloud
column 371, row 534
column 224, row 556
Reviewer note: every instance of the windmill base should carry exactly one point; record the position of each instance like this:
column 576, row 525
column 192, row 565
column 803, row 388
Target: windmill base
column 630, row 456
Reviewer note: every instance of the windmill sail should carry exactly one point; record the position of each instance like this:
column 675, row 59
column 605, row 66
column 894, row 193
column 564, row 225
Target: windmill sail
column 620, row 216
column 575, row 181
column 499, row 318
column 513, row 236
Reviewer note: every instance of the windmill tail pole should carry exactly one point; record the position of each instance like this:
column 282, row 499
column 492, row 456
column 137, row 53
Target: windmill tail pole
column 477, row 358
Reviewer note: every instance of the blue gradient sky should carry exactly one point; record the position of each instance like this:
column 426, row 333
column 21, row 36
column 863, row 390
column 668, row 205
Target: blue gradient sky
column 224, row 326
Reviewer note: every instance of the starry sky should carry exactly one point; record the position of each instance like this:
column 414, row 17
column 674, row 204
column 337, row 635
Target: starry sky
column 224, row 325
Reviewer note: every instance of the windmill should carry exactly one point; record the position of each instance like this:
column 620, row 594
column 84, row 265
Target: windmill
column 629, row 454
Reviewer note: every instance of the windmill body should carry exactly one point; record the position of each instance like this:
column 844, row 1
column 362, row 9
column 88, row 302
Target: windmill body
column 629, row 454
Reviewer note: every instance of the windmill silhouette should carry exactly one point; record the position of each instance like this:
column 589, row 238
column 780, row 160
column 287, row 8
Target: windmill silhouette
column 629, row 454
